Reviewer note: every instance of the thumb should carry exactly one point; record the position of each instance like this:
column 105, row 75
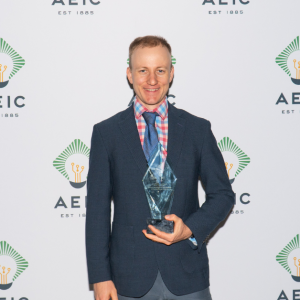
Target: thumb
column 171, row 217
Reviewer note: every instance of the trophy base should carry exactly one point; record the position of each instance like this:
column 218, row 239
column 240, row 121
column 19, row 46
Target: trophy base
column 162, row 225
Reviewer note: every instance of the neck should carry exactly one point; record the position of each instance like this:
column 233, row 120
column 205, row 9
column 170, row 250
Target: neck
column 151, row 106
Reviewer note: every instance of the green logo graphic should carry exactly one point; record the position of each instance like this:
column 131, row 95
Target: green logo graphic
column 73, row 163
column 286, row 64
column 10, row 63
column 12, row 265
column 235, row 159
column 173, row 60
column 289, row 258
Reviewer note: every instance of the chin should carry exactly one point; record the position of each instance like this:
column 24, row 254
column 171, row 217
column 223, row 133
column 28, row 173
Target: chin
column 152, row 100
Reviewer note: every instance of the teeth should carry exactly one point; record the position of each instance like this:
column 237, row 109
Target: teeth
column 152, row 90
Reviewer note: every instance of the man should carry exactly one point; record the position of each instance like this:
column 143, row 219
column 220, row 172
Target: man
column 127, row 263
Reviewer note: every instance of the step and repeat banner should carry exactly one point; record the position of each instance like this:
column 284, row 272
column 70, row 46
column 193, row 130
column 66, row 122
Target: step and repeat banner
column 63, row 69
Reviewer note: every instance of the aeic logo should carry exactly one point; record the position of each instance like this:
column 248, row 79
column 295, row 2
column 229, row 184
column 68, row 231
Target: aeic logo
column 289, row 60
column 235, row 159
column 72, row 163
column 12, row 265
column 10, row 63
column 289, row 258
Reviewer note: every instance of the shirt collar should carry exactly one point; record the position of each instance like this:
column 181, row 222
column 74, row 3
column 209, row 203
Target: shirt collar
column 139, row 108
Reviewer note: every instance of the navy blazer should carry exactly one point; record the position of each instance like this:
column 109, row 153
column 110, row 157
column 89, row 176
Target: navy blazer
column 116, row 169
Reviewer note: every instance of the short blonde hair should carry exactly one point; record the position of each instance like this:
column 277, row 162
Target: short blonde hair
column 148, row 41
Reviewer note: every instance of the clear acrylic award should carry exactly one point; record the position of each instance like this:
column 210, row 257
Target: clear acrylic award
column 159, row 184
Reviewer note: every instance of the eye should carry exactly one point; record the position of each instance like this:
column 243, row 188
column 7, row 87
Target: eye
column 161, row 71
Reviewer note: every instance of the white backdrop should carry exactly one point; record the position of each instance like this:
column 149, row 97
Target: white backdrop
column 74, row 77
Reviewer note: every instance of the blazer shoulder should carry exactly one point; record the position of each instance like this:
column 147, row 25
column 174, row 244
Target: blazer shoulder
column 197, row 128
column 111, row 122
column 198, row 121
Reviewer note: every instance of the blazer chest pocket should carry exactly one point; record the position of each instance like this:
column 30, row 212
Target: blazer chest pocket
column 122, row 249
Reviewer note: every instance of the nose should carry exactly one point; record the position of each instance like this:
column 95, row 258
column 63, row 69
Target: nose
column 152, row 80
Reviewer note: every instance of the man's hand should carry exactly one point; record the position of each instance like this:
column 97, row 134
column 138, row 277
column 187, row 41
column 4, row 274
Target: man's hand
column 181, row 232
column 105, row 290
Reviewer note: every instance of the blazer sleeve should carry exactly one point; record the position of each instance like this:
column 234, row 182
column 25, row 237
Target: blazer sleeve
column 98, row 211
column 219, row 195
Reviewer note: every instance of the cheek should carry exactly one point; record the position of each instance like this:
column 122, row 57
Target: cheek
column 138, row 81
column 164, row 80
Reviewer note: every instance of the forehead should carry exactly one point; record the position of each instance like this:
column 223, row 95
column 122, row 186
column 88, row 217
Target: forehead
column 151, row 57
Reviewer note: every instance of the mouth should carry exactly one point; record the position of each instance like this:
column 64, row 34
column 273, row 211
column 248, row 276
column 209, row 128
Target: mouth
column 151, row 90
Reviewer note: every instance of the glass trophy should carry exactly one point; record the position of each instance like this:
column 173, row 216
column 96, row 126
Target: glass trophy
column 159, row 183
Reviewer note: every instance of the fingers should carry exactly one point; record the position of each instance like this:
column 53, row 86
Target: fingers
column 159, row 236
column 105, row 291
column 167, row 238
column 178, row 223
column 114, row 295
column 163, row 235
column 157, row 239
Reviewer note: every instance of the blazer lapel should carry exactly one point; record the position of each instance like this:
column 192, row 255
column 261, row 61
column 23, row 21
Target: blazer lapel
column 132, row 139
column 176, row 130
column 176, row 127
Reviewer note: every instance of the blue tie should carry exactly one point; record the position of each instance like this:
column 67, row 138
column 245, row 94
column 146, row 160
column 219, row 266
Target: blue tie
column 151, row 136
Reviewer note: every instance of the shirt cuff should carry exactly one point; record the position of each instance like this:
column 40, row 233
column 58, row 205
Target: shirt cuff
column 193, row 240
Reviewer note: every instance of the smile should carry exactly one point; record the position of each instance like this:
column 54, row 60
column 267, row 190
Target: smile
column 152, row 90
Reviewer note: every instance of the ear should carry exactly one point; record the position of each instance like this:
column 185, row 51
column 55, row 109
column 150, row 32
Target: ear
column 129, row 75
column 171, row 73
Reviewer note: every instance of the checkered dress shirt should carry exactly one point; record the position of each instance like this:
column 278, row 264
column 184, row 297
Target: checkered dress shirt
column 161, row 122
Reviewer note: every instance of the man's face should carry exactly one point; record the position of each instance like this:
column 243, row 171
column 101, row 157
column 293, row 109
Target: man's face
column 150, row 74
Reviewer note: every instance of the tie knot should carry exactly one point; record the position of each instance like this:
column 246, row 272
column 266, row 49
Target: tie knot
column 149, row 117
